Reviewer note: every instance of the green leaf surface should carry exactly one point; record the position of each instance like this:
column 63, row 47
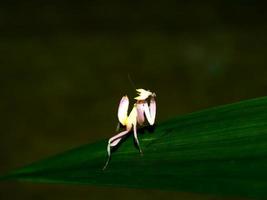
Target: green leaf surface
column 221, row 150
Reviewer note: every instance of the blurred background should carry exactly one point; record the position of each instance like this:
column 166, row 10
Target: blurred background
column 65, row 65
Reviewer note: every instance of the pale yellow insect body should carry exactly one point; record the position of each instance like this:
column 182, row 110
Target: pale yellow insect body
column 140, row 110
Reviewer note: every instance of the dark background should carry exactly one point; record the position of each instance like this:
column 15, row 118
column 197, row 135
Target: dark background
column 64, row 67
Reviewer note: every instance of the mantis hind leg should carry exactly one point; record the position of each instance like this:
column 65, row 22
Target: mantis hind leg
column 107, row 162
column 113, row 142
column 136, row 139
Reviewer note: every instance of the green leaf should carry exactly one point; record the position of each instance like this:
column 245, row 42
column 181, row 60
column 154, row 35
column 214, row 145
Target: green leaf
column 220, row 150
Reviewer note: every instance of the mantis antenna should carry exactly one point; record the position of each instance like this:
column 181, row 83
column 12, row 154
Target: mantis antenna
column 134, row 87
column 131, row 82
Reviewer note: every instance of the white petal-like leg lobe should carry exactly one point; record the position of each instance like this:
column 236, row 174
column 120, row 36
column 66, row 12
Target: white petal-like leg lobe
column 115, row 139
column 150, row 111
column 153, row 109
column 140, row 113
column 123, row 109
column 136, row 138
column 113, row 142
column 148, row 115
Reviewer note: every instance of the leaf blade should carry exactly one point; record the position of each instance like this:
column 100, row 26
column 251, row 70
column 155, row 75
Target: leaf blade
column 217, row 151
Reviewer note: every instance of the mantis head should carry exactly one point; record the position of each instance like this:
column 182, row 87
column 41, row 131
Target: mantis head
column 144, row 94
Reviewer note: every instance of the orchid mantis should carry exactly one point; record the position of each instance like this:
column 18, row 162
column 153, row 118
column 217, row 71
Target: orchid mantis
column 141, row 110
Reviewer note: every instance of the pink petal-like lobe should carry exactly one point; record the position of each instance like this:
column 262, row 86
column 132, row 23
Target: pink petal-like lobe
column 123, row 109
column 140, row 113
